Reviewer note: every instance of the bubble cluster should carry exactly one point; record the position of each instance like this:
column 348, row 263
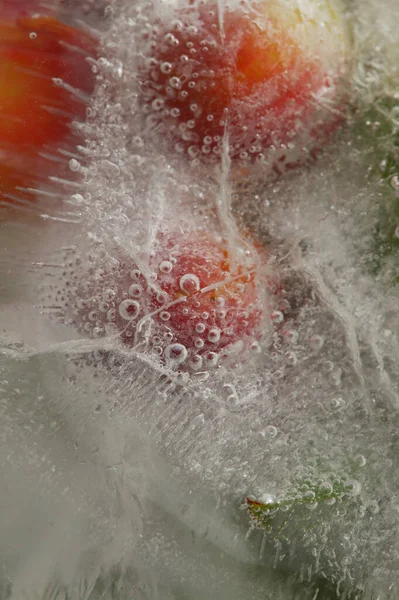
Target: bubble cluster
column 182, row 309
column 258, row 87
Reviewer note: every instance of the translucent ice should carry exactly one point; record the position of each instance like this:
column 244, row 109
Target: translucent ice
column 245, row 448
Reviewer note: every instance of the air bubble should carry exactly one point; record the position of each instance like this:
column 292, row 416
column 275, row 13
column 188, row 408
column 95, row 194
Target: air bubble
column 162, row 297
column 111, row 314
column 166, row 266
column 129, row 309
column 189, row 284
column 157, row 104
column 316, row 342
column 336, row 403
column 176, row 353
column 214, row 335
column 325, row 487
column 199, row 343
column 255, row 347
column 352, row 487
column 33, row 35
column 291, row 336
column 291, row 358
column 74, row 165
column 309, row 495
column 271, row 431
column 335, row 376
column 211, row 359
column 109, row 295
column 361, row 460
column 196, row 362
column 135, row 290
column 164, row 315
column 200, row 328
column 277, row 316
column 166, row 68
column 175, row 83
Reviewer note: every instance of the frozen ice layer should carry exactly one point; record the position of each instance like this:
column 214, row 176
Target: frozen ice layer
column 199, row 368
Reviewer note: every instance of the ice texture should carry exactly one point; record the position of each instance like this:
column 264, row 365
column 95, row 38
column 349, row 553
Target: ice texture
column 124, row 476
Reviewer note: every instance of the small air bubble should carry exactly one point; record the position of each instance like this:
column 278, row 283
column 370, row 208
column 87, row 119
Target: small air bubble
column 271, row 431
column 291, row 358
column 129, row 309
column 325, row 487
column 175, row 83
column 111, row 314
column 109, row 295
column 352, row 487
column 166, row 266
column 164, row 315
column 200, row 328
column 277, row 316
column 166, row 68
column 361, row 460
column 316, row 342
column 74, row 165
column 211, row 359
column 33, row 35
column 196, row 362
column 291, row 336
column 135, row 290
column 189, row 284
column 214, row 335
column 176, row 353
column 255, row 347
column 157, row 104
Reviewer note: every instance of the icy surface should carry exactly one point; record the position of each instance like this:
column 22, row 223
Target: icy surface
column 124, row 476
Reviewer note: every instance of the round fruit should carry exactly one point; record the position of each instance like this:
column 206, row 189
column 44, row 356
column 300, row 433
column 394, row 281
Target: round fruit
column 44, row 85
column 192, row 303
column 264, row 77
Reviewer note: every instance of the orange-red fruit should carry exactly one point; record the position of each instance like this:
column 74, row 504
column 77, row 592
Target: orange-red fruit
column 45, row 81
column 266, row 75
column 194, row 303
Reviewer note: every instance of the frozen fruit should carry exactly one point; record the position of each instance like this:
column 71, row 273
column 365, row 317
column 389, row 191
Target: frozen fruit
column 268, row 74
column 45, row 81
column 193, row 301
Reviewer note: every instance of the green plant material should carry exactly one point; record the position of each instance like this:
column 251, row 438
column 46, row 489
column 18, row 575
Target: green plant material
column 376, row 128
column 318, row 488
